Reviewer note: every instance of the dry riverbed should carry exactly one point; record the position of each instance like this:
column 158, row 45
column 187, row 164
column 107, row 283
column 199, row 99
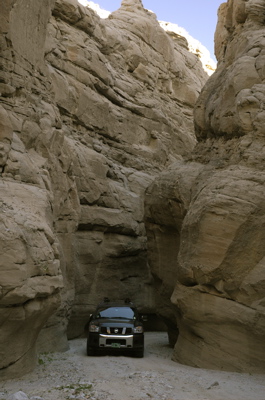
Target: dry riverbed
column 73, row 375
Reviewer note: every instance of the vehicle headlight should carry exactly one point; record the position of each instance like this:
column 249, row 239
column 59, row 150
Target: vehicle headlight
column 93, row 328
column 138, row 329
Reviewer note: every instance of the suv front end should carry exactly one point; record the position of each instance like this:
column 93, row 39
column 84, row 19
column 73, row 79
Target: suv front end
column 116, row 326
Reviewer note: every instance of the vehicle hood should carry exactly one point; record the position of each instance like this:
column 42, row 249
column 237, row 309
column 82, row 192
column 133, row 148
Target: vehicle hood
column 128, row 323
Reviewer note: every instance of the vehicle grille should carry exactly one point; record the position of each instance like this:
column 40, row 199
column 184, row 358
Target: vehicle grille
column 116, row 331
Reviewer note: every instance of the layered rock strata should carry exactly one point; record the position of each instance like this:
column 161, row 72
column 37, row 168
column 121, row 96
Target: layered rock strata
column 205, row 216
column 91, row 111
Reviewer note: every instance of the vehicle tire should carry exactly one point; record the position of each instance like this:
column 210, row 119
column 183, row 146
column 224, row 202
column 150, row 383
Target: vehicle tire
column 90, row 350
column 139, row 353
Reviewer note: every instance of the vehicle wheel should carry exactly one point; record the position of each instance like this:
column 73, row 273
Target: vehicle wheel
column 90, row 351
column 139, row 353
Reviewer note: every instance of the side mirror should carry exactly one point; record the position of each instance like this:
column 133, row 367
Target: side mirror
column 87, row 324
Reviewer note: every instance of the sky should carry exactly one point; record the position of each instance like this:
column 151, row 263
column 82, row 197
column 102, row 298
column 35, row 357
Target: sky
column 198, row 17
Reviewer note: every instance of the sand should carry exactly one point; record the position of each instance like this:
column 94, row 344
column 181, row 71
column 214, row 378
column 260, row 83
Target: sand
column 74, row 375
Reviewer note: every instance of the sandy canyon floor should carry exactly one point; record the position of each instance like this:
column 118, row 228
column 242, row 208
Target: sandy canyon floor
column 74, row 375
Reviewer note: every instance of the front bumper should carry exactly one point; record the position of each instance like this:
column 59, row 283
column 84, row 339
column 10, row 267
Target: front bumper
column 106, row 341
column 116, row 341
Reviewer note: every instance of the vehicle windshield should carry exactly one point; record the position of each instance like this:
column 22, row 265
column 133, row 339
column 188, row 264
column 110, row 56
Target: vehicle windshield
column 116, row 312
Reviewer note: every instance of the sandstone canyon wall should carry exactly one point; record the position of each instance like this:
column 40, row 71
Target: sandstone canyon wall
column 205, row 215
column 91, row 111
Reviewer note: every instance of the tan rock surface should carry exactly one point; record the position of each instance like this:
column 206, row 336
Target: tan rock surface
column 118, row 70
column 212, row 210
column 97, row 108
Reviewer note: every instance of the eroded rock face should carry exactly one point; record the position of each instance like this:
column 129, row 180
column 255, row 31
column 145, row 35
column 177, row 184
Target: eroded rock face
column 91, row 111
column 231, row 102
column 30, row 275
column 214, row 204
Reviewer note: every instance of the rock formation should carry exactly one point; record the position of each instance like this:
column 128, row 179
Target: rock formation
column 192, row 44
column 91, row 111
column 205, row 215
